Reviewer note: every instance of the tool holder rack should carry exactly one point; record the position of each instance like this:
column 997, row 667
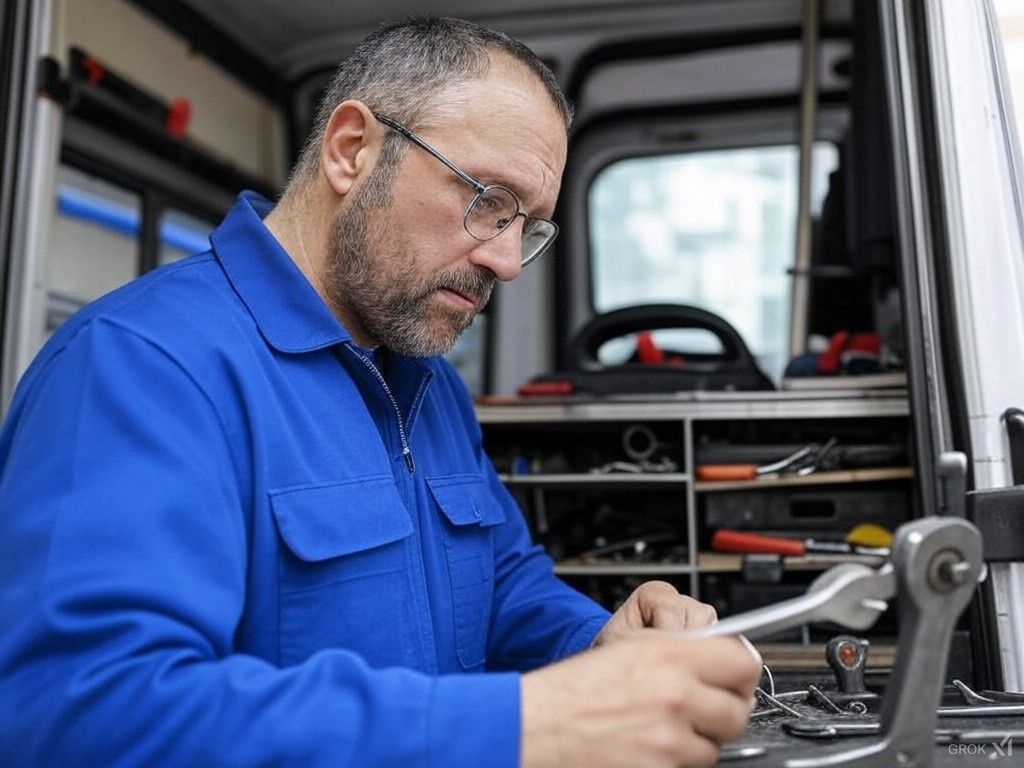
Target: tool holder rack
column 682, row 420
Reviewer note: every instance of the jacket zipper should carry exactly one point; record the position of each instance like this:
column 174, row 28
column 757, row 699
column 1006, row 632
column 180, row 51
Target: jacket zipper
column 406, row 450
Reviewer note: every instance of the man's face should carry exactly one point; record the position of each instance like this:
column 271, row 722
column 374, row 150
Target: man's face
column 402, row 267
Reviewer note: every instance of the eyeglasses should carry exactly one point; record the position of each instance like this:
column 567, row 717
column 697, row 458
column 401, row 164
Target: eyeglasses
column 493, row 209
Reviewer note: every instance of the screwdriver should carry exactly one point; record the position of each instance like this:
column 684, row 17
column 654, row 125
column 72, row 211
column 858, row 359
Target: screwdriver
column 726, row 540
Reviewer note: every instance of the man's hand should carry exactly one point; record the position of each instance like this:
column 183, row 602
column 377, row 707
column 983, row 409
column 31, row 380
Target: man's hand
column 656, row 605
column 650, row 701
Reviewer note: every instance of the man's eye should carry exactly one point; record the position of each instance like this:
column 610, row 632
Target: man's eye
column 491, row 202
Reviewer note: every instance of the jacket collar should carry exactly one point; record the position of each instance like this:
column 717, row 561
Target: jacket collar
column 287, row 309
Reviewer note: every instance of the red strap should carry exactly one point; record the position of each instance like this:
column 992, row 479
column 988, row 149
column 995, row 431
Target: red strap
column 865, row 342
column 831, row 358
column 647, row 351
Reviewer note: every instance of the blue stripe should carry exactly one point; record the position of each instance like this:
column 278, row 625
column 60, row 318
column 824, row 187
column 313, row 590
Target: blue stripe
column 124, row 220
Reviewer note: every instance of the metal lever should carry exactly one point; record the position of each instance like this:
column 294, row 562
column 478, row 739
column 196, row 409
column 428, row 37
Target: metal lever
column 936, row 564
column 851, row 595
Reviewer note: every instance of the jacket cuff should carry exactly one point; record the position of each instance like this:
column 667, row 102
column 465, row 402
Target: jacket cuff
column 475, row 719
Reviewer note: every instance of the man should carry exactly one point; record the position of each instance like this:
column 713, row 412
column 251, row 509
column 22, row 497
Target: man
column 246, row 516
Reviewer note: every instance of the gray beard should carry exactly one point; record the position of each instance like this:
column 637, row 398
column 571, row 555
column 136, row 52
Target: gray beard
column 398, row 309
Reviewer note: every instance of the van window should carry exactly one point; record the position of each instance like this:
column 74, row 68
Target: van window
column 714, row 229
column 94, row 242
column 182, row 235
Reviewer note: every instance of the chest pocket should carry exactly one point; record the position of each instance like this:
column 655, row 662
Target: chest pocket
column 344, row 571
column 469, row 513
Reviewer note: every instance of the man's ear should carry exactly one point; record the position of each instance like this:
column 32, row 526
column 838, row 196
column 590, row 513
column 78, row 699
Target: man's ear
column 349, row 143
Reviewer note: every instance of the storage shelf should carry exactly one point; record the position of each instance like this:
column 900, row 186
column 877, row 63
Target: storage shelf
column 571, row 568
column 727, row 562
column 585, row 478
column 817, row 478
column 699, row 406
column 588, row 430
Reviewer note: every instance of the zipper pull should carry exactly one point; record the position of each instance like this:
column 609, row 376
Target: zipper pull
column 407, row 453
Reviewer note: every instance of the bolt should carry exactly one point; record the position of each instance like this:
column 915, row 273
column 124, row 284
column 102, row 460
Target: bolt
column 955, row 572
column 947, row 570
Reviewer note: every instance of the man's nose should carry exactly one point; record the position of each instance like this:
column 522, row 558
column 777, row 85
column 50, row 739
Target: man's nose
column 502, row 255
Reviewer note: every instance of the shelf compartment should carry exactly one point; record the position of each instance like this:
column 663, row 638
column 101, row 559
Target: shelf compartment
column 881, row 474
column 577, row 479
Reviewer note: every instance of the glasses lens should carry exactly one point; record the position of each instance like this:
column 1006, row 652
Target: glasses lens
column 538, row 234
column 491, row 212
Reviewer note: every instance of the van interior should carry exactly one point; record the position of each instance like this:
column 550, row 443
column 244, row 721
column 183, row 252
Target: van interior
column 712, row 378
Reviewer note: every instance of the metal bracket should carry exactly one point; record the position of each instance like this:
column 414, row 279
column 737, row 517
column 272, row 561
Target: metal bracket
column 999, row 515
column 936, row 564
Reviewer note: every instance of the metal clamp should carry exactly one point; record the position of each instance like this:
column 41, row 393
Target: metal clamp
column 936, row 564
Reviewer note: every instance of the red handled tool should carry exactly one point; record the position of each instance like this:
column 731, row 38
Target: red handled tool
column 725, row 540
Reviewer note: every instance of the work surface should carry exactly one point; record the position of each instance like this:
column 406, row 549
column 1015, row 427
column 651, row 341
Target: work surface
column 780, row 746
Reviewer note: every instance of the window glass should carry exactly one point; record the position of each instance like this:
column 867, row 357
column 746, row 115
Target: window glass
column 182, row 235
column 94, row 243
column 623, row 349
column 712, row 229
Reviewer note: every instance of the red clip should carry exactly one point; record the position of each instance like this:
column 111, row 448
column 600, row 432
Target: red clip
column 179, row 112
column 94, row 70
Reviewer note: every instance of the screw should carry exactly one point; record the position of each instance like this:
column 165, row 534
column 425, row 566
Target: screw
column 904, row 759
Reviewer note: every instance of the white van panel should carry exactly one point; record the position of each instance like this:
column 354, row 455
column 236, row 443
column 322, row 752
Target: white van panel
column 138, row 47
column 33, row 202
column 982, row 177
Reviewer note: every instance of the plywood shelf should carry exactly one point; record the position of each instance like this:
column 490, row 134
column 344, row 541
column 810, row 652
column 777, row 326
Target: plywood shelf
column 881, row 474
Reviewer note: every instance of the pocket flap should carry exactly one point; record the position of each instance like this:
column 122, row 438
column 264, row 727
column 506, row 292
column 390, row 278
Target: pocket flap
column 466, row 500
column 321, row 522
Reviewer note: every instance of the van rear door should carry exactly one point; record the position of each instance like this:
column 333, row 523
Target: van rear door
column 960, row 175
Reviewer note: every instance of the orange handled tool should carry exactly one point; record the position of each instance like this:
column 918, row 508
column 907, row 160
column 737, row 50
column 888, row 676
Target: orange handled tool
column 720, row 473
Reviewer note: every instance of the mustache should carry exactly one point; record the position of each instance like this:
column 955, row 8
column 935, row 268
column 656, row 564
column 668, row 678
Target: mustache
column 478, row 285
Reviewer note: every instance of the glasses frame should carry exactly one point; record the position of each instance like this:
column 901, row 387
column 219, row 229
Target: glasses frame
column 478, row 187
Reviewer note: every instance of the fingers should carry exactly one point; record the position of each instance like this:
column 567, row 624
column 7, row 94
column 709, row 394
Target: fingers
column 717, row 714
column 662, row 607
column 724, row 662
column 697, row 751
column 699, row 614
column 730, row 663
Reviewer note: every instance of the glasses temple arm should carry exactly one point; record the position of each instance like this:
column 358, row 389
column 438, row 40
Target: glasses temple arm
column 427, row 148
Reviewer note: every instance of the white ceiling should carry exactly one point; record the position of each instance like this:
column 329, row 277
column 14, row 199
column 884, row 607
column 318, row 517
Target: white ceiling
column 296, row 36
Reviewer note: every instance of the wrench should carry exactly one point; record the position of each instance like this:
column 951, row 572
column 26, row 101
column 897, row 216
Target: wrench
column 851, row 595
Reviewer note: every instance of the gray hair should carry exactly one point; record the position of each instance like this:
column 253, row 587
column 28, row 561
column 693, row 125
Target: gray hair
column 400, row 70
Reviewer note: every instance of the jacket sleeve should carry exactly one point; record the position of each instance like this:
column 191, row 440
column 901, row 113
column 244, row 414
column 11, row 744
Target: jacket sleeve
column 123, row 556
column 537, row 618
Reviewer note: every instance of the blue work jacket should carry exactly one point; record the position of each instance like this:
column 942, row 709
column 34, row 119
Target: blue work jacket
column 229, row 537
